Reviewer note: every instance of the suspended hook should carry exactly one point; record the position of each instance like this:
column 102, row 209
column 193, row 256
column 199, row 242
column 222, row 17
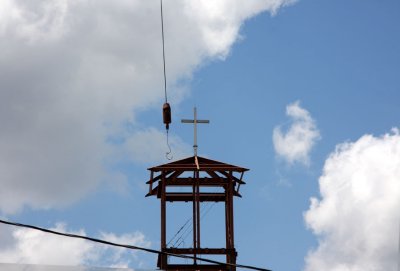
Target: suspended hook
column 166, row 107
column 168, row 154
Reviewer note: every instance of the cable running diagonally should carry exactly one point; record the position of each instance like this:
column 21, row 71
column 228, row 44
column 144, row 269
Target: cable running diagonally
column 185, row 232
column 128, row 246
column 181, row 228
column 184, row 228
column 183, row 238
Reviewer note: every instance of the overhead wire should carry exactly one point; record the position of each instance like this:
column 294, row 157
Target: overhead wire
column 190, row 231
column 182, row 238
column 166, row 106
column 181, row 228
column 190, row 219
column 70, row 235
column 177, row 242
column 163, row 50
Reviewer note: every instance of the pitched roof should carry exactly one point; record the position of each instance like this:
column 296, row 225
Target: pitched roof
column 204, row 164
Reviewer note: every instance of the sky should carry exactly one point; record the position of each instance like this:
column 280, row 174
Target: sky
column 303, row 93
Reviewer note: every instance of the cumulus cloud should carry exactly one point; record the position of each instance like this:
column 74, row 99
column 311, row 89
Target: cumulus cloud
column 295, row 144
column 145, row 146
column 34, row 247
column 73, row 73
column 357, row 218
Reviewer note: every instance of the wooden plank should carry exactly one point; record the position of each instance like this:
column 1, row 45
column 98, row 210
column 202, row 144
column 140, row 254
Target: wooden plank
column 203, row 167
column 153, row 192
column 231, row 176
column 197, row 267
column 203, row 181
column 152, row 180
column 188, row 197
column 204, row 251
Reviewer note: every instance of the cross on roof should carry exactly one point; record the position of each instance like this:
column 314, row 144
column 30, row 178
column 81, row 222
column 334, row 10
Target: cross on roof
column 195, row 121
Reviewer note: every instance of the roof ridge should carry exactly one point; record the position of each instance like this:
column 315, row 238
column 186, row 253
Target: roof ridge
column 192, row 161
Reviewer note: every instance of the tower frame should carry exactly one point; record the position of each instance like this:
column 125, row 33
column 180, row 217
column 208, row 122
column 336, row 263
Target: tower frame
column 216, row 174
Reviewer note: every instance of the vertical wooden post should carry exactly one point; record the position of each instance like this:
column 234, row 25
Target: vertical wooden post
column 163, row 262
column 194, row 219
column 231, row 226
column 227, row 236
column 198, row 209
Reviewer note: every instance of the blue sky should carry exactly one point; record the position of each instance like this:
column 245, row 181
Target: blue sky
column 339, row 60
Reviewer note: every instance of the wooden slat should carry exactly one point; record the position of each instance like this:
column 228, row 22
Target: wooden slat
column 231, row 176
column 212, row 197
column 152, row 180
column 203, row 182
column 205, row 251
column 197, row 267
column 203, row 167
column 153, row 192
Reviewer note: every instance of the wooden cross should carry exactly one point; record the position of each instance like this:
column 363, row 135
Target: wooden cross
column 195, row 121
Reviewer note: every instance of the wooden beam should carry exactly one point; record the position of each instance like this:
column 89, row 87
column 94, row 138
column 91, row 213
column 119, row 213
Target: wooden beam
column 213, row 174
column 203, row 181
column 231, row 176
column 163, row 258
column 153, row 192
column 190, row 267
column 212, row 197
column 203, row 167
column 174, row 175
column 205, row 251
column 152, row 180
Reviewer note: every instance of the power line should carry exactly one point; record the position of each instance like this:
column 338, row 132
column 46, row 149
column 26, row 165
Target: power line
column 183, row 238
column 187, row 221
column 190, row 219
column 127, row 246
column 166, row 107
column 163, row 50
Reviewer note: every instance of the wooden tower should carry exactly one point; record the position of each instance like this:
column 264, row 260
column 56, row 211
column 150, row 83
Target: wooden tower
column 203, row 173
column 197, row 175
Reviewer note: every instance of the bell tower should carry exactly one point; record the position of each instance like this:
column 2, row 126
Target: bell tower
column 197, row 174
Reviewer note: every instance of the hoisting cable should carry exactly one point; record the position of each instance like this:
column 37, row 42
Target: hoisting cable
column 163, row 51
column 128, row 246
column 185, row 232
column 190, row 219
column 176, row 234
column 166, row 106
column 183, row 238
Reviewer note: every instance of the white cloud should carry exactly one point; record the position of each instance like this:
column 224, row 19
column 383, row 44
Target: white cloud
column 357, row 217
column 295, row 144
column 145, row 146
column 34, row 247
column 72, row 73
